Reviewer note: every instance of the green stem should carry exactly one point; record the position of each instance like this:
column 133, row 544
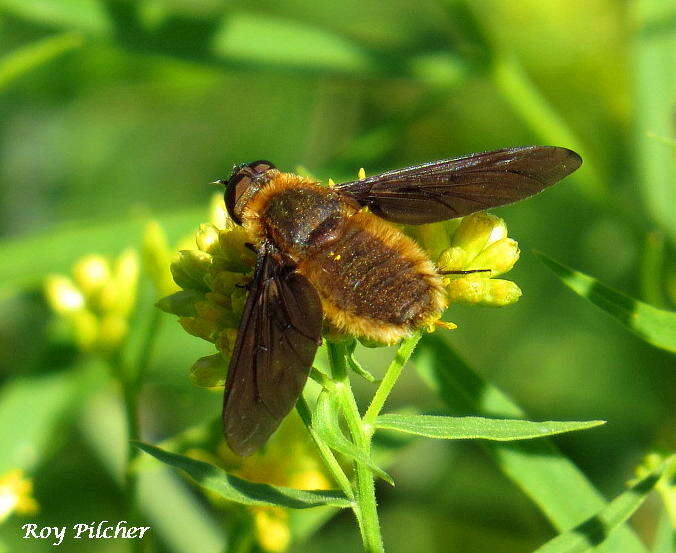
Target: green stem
column 130, row 380
column 651, row 269
column 366, row 509
column 325, row 452
column 390, row 379
column 130, row 399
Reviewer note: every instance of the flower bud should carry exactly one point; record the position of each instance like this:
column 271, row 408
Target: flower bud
column 206, row 330
column 234, row 255
column 85, row 329
column 112, row 330
column 62, row 294
column 91, row 274
column 452, row 259
column 225, row 342
column 125, row 277
column 181, row 303
column 272, row 529
column 309, row 480
column 476, row 231
column 156, row 257
column 207, row 238
column 475, row 290
column 191, row 268
column 209, row 372
column 218, row 214
column 16, row 494
column 237, row 300
column 224, row 282
column 499, row 257
column 435, row 237
column 209, row 311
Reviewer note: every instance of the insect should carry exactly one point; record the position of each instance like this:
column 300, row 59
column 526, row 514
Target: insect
column 322, row 256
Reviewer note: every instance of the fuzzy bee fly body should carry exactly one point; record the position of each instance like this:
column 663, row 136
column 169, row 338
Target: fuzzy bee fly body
column 320, row 255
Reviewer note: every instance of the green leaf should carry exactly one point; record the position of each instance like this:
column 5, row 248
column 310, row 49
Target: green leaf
column 33, row 408
column 654, row 56
column 284, row 41
column 651, row 269
column 596, row 529
column 162, row 491
column 60, row 247
column 477, row 428
column 326, row 423
column 533, row 107
column 83, row 15
column 356, row 365
column 536, row 466
column 22, row 60
column 655, row 326
column 243, row 491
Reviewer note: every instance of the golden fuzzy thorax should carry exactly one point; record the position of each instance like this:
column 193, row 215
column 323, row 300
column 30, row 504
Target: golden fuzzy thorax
column 373, row 280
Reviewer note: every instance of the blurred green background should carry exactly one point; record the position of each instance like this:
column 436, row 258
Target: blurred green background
column 112, row 112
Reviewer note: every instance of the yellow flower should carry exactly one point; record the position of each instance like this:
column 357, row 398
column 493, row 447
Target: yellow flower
column 16, row 494
column 480, row 243
column 289, row 459
column 98, row 300
column 212, row 278
column 157, row 255
column 271, row 526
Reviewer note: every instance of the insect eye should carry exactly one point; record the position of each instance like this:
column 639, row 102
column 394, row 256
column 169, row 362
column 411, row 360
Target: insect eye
column 237, row 185
column 243, row 178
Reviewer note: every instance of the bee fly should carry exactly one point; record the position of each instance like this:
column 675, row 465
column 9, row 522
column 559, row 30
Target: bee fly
column 320, row 255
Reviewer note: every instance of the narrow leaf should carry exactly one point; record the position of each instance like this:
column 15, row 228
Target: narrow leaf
column 243, row 491
column 356, row 365
column 653, row 57
column 326, row 423
column 477, row 428
column 545, row 475
column 655, row 326
column 34, row 408
column 22, row 60
column 596, row 529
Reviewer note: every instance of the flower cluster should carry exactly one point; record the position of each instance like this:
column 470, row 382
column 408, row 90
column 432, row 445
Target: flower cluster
column 98, row 300
column 480, row 242
column 212, row 279
column 16, row 494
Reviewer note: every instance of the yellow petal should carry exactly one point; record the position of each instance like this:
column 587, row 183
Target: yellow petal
column 207, row 238
column 157, row 257
column 452, row 259
column 475, row 290
column 499, row 257
column 218, row 214
column 272, row 528
column 62, row 294
column 91, row 273
column 476, row 231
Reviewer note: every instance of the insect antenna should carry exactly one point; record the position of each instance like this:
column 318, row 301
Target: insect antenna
column 464, row 272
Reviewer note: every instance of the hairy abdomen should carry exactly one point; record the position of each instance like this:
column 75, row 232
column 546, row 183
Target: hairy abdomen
column 374, row 281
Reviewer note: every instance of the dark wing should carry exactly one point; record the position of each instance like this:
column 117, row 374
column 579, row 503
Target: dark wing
column 276, row 344
column 452, row 188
